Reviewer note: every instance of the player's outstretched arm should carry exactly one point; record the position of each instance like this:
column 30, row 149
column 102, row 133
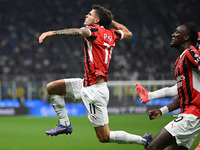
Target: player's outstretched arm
column 67, row 32
column 118, row 26
column 45, row 35
column 156, row 113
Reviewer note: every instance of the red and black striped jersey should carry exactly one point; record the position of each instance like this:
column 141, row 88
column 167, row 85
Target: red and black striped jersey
column 98, row 48
column 187, row 75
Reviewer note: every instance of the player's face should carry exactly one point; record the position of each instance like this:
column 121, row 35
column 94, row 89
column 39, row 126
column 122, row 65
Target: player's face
column 91, row 18
column 178, row 36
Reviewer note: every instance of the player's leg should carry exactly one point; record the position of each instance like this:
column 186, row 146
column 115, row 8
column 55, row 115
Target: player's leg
column 161, row 141
column 105, row 135
column 57, row 87
column 176, row 147
column 129, row 138
column 185, row 129
column 181, row 131
column 164, row 92
column 56, row 91
column 146, row 96
column 95, row 99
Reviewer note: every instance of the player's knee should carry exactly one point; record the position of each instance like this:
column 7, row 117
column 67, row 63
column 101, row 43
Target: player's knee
column 50, row 88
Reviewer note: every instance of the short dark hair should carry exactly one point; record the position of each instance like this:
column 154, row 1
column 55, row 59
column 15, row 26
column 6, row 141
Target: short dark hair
column 104, row 15
column 192, row 32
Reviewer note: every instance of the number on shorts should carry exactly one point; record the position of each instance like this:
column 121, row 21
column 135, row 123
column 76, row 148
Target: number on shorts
column 178, row 119
column 92, row 108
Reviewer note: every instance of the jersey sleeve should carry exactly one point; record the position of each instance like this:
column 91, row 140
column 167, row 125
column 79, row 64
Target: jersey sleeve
column 86, row 28
column 93, row 31
column 119, row 34
column 194, row 57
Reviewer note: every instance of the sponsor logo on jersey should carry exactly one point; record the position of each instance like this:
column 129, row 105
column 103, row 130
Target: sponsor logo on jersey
column 197, row 59
column 179, row 80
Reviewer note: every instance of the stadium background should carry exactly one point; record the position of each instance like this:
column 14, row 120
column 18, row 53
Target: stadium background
column 27, row 66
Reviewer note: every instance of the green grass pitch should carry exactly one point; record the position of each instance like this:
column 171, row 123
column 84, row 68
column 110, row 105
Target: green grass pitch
column 28, row 133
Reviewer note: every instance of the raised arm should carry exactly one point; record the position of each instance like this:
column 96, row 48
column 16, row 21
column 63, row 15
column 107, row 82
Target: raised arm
column 118, row 26
column 67, row 32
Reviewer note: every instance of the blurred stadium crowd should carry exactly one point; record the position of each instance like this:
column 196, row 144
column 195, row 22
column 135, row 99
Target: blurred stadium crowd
column 146, row 56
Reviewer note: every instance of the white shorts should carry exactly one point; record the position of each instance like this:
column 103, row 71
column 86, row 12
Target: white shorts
column 185, row 128
column 95, row 98
column 73, row 88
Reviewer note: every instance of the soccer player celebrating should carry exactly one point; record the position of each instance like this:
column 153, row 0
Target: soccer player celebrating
column 92, row 90
column 146, row 96
column 180, row 133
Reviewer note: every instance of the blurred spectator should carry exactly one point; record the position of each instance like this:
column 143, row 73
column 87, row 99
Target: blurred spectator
column 23, row 59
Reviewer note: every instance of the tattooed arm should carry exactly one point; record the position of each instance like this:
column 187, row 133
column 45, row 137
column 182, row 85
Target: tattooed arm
column 83, row 32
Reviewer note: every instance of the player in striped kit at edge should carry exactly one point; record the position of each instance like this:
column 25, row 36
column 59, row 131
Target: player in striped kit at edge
column 188, row 91
column 99, row 41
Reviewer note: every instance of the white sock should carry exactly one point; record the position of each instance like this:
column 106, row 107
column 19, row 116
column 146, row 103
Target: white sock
column 164, row 92
column 58, row 104
column 124, row 137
